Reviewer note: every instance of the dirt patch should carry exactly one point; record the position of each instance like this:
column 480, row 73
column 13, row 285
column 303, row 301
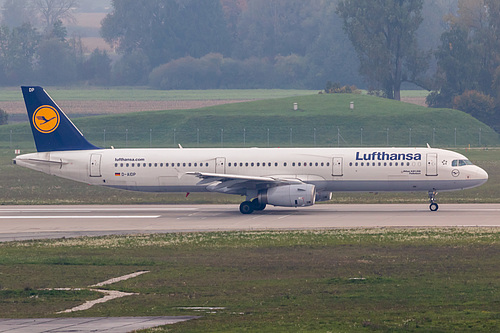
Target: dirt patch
column 116, row 107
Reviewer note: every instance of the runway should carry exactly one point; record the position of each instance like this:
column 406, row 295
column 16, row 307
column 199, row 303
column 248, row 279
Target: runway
column 40, row 222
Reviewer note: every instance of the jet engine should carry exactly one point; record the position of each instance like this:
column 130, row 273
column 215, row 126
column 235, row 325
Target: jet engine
column 289, row 195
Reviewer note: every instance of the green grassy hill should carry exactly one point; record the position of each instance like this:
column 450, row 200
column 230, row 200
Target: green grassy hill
column 321, row 120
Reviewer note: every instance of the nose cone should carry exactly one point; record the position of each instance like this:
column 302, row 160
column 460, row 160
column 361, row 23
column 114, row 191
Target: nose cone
column 483, row 175
column 480, row 176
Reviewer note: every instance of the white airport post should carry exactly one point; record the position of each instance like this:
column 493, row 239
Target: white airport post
column 295, row 106
column 351, row 106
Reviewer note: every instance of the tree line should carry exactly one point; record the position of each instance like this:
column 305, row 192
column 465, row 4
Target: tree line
column 449, row 47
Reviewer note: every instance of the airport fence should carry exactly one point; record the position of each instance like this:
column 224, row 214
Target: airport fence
column 278, row 136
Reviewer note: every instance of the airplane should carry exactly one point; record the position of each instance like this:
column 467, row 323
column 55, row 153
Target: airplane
column 288, row 177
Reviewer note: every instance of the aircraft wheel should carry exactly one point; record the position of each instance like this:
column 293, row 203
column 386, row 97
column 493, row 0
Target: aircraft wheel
column 257, row 205
column 246, row 207
column 433, row 207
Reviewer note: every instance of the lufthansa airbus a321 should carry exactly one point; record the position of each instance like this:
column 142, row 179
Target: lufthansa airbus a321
column 289, row 177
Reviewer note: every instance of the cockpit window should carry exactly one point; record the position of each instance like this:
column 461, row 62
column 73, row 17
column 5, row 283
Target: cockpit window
column 460, row 163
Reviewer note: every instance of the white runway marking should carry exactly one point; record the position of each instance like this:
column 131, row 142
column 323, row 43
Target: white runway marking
column 118, row 279
column 51, row 217
column 110, row 294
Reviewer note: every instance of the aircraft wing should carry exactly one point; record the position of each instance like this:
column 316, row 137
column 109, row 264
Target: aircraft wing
column 238, row 184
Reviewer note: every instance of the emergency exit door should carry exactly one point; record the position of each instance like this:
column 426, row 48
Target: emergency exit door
column 338, row 166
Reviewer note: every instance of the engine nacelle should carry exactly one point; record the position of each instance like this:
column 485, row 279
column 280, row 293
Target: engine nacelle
column 289, row 195
column 323, row 196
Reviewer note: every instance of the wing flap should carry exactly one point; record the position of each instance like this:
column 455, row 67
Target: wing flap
column 229, row 183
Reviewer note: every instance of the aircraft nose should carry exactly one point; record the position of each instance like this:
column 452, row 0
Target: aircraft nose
column 482, row 175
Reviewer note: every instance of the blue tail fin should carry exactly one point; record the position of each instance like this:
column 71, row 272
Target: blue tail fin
column 52, row 129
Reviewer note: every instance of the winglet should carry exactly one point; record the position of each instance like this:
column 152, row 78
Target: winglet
column 52, row 129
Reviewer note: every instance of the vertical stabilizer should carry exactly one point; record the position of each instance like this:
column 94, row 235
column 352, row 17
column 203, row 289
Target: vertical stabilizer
column 52, row 129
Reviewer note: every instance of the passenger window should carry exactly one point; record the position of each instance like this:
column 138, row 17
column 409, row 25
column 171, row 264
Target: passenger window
column 356, row 164
column 293, row 163
column 284, row 164
column 156, row 165
column 258, row 164
column 350, row 163
column 362, row 164
column 116, row 165
column 316, row 164
column 275, row 164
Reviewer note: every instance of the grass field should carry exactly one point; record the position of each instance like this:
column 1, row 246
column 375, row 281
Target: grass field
column 322, row 120
column 384, row 280
column 141, row 94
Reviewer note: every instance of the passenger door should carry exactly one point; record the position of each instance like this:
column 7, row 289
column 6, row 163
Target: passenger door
column 95, row 165
column 431, row 165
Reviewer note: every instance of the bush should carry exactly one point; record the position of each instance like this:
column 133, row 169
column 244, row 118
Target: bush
column 4, row 117
column 336, row 88
column 440, row 99
column 97, row 68
column 212, row 71
column 131, row 69
column 476, row 104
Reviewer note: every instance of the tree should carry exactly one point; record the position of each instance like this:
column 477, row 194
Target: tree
column 277, row 27
column 166, row 29
column 97, row 68
column 15, row 13
column 52, row 11
column 4, row 117
column 469, row 54
column 18, row 50
column 383, row 34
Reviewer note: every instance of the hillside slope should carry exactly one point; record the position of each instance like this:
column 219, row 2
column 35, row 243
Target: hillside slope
column 321, row 120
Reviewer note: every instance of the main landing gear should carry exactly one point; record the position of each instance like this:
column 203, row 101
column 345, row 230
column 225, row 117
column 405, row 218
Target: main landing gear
column 432, row 197
column 248, row 207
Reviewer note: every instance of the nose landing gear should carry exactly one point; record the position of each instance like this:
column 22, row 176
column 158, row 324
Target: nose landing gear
column 432, row 197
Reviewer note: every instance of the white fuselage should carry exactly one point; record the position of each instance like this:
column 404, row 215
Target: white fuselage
column 329, row 169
